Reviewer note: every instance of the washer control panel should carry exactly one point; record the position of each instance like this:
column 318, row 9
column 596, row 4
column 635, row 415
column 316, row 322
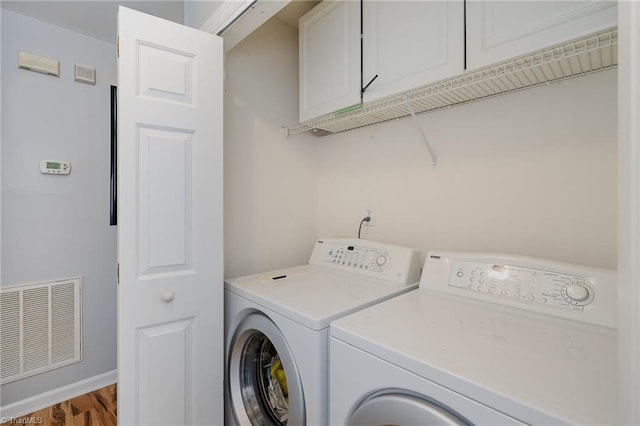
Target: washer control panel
column 368, row 258
column 527, row 284
column 565, row 290
column 358, row 257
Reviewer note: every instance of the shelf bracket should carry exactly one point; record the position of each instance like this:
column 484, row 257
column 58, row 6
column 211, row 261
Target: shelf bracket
column 434, row 158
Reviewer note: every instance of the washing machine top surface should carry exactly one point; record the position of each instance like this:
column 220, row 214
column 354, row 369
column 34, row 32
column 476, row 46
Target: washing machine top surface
column 518, row 337
column 343, row 275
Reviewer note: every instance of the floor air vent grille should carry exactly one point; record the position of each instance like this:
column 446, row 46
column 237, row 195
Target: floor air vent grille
column 40, row 328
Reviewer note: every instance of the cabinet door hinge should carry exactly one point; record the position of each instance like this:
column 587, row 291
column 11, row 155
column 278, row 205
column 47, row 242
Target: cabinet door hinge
column 118, row 46
column 118, row 273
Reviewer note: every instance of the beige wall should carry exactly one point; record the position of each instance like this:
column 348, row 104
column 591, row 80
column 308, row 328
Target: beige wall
column 530, row 173
column 270, row 181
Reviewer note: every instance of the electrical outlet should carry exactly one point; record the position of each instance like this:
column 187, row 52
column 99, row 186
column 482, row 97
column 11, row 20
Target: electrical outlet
column 371, row 214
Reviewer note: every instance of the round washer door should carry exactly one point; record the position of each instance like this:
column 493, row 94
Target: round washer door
column 264, row 383
column 399, row 409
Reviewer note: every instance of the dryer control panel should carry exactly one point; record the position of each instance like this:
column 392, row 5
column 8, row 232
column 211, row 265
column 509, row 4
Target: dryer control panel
column 546, row 287
column 571, row 291
column 368, row 258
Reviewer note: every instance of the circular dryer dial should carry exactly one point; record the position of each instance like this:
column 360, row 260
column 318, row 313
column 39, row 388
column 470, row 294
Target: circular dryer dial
column 577, row 293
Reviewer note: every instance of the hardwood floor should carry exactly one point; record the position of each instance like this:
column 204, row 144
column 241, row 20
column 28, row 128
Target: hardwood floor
column 98, row 408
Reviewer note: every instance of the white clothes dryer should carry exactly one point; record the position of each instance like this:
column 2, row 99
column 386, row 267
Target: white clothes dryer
column 277, row 327
column 485, row 339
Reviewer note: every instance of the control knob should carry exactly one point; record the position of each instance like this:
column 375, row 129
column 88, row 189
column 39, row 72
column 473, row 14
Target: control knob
column 381, row 260
column 577, row 294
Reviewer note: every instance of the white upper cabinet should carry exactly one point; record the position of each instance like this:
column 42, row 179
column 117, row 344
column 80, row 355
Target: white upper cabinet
column 408, row 44
column 500, row 30
column 329, row 58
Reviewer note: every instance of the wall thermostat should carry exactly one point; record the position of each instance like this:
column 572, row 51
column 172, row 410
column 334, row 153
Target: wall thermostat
column 55, row 167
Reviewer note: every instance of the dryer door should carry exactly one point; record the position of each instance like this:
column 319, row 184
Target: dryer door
column 264, row 383
column 399, row 409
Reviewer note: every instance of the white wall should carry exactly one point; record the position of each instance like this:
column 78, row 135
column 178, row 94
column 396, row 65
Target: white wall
column 270, row 182
column 530, row 173
column 629, row 215
column 55, row 227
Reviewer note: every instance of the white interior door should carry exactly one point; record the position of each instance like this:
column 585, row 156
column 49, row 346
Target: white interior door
column 170, row 309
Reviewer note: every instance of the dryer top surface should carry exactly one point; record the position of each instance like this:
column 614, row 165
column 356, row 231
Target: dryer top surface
column 533, row 367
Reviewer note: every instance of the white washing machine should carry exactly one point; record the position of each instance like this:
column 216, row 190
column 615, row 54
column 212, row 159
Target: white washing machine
column 485, row 339
column 277, row 327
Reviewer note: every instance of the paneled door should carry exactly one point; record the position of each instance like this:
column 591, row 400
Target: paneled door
column 408, row 44
column 329, row 62
column 500, row 30
column 170, row 309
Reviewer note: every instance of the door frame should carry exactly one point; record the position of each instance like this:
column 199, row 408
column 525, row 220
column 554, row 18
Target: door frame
column 629, row 213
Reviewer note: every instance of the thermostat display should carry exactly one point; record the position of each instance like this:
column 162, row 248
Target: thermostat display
column 55, row 167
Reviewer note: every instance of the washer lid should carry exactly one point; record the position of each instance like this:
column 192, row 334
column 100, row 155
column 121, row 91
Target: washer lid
column 533, row 367
column 312, row 295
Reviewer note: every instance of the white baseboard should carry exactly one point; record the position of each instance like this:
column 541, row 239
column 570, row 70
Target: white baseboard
column 38, row 402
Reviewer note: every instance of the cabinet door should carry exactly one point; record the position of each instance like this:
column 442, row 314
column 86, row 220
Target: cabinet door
column 329, row 58
column 499, row 30
column 411, row 43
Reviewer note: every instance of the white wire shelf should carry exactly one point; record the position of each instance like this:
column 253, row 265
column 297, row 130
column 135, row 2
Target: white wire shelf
column 596, row 52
